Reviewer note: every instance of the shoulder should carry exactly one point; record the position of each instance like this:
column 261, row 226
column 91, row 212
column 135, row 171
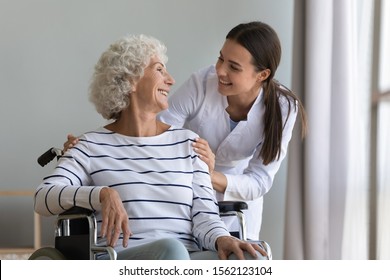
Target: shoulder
column 204, row 74
column 181, row 133
column 96, row 134
column 205, row 71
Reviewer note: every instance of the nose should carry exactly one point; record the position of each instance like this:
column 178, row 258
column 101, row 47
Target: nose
column 220, row 69
column 169, row 79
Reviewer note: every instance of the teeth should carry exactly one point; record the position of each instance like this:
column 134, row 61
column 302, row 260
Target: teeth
column 224, row 83
column 163, row 92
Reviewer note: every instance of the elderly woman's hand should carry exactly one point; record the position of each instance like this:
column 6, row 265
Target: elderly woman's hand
column 114, row 217
column 227, row 245
column 70, row 143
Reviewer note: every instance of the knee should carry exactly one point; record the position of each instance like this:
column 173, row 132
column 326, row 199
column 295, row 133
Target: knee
column 171, row 249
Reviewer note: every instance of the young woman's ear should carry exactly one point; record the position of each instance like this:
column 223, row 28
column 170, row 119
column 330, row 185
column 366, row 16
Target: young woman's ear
column 263, row 75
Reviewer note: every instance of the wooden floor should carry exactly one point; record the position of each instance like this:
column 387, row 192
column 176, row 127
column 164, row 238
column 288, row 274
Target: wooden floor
column 15, row 256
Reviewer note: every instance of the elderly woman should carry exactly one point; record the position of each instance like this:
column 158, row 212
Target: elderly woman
column 152, row 194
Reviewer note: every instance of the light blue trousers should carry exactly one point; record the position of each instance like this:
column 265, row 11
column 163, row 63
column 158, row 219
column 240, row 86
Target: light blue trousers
column 170, row 249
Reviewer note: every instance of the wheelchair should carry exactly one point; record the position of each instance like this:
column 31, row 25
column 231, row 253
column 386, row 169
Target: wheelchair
column 76, row 229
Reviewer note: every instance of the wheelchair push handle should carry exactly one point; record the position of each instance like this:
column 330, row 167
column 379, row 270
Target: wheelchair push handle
column 49, row 155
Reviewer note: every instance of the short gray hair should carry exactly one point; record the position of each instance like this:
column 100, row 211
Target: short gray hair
column 118, row 69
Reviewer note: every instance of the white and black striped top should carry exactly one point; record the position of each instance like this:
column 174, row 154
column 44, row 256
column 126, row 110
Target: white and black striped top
column 164, row 186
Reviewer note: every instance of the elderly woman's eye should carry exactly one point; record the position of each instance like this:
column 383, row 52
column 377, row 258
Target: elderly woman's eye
column 161, row 70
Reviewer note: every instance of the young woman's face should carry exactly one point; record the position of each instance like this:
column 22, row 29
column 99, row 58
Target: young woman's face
column 153, row 88
column 236, row 73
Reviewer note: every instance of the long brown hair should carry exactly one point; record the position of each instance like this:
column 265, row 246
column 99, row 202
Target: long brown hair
column 263, row 43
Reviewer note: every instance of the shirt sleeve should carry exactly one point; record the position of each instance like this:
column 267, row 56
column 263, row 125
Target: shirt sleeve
column 186, row 101
column 257, row 178
column 207, row 224
column 68, row 185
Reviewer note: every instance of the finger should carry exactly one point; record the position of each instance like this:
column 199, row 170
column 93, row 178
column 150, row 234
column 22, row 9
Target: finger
column 71, row 137
column 199, row 146
column 222, row 255
column 202, row 153
column 103, row 228
column 115, row 234
column 240, row 254
column 126, row 233
column 110, row 229
column 250, row 249
column 259, row 249
column 202, row 141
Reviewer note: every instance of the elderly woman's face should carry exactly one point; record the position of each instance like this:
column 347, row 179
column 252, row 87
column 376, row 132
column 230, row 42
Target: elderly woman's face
column 153, row 88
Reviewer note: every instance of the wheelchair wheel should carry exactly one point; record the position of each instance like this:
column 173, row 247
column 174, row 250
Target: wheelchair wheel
column 47, row 253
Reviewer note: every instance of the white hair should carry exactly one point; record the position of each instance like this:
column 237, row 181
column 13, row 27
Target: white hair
column 118, row 69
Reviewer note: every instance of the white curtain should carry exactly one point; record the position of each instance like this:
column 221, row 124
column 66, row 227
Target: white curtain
column 384, row 137
column 327, row 192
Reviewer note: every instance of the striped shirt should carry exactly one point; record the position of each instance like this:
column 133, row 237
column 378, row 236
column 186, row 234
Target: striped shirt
column 164, row 186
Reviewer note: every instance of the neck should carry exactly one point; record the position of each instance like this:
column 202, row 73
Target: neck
column 136, row 125
column 239, row 106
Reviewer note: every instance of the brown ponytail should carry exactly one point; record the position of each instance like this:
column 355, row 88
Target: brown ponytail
column 272, row 124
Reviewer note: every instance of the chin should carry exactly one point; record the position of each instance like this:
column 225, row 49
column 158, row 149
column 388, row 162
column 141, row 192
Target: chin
column 164, row 107
column 223, row 91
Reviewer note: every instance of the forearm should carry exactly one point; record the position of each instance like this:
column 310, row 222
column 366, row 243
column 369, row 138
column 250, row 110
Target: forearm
column 246, row 186
column 219, row 181
column 55, row 199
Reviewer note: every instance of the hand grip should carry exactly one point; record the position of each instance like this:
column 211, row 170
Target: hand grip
column 47, row 157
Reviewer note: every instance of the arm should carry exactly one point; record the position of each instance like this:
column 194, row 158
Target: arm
column 205, row 213
column 67, row 186
column 208, row 227
column 70, row 185
column 257, row 178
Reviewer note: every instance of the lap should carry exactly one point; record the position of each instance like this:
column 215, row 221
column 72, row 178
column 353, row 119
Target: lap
column 163, row 249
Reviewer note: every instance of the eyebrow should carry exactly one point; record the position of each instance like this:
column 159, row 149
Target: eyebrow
column 232, row 61
column 158, row 62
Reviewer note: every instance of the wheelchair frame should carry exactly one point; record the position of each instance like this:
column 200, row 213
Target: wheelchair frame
column 75, row 238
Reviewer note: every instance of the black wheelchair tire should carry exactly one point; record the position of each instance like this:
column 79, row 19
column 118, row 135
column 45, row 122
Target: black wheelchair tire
column 47, row 253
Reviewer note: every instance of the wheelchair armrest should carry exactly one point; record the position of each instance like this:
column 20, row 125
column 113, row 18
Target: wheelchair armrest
column 227, row 206
column 77, row 211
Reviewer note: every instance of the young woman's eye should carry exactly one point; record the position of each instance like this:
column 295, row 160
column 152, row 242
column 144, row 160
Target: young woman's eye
column 220, row 59
column 233, row 67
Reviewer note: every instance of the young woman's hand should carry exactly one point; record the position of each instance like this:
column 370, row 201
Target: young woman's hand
column 218, row 179
column 202, row 148
column 70, row 143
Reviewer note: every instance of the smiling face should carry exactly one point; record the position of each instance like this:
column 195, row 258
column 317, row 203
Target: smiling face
column 151, row 92
column 236, row 73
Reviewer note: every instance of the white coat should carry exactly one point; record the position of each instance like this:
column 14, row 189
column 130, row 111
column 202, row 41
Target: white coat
column 198, row 106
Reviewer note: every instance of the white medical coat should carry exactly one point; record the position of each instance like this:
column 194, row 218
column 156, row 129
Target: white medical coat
column 198, row 106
